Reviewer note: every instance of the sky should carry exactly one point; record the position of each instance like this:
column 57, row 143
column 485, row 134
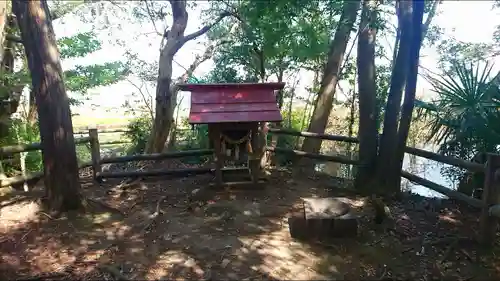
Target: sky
column 471, row 21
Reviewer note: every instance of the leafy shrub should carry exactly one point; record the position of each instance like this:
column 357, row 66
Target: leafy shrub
column 194, row 138
column 138, row 132
column 20, row 132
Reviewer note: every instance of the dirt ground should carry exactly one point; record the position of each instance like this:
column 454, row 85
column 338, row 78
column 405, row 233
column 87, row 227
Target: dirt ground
column 153, row 231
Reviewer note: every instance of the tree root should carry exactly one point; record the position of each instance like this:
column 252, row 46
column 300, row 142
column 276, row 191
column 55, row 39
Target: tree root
column 155, row 215
column 449, row 250
column 128, row 183
column 105, row 206
column 451, row 239
column 45, row 276
column 137, row 202
column 117, row 275
column 47, row 215
column 381, row 210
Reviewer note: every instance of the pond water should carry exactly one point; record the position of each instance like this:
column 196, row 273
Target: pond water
column 428, row 169
column 422, row 167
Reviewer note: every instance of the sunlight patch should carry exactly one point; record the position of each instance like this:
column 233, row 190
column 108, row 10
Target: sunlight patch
column 14, row 216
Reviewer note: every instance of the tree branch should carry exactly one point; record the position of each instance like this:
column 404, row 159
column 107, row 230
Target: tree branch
column 204, row 29
column 152, row 18
column 429, row 18
column 147, row 104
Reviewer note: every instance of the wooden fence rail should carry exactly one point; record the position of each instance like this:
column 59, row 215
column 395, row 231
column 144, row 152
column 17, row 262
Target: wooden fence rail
column 334, row 158
column 18, row 148
column 97, row 161
column 104, row 131
column 490, row 204
column 7, row 151
column 468, row 165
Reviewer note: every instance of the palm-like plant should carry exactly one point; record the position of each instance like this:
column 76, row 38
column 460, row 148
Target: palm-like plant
column 464, row 118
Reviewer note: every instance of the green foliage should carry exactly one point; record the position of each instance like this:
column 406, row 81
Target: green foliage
column 138, row 132
column 466, row 106
column 78, row 45
column 452, row 52
column 194, row 138
column 278, row 29
column 295, row 121
column 464, row 119
column 22, row 133
column 82, row 78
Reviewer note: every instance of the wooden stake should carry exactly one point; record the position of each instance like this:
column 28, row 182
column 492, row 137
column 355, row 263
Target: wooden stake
column 491, row 193
column 95, row 152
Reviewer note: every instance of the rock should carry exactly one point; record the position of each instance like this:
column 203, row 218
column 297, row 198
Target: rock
column 225, row 263
column 322, row 219
column 252, row 209
column 297, row 226
column 324, row 208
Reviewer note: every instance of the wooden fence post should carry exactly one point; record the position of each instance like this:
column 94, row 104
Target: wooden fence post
column 491, row 193
column 95, row 153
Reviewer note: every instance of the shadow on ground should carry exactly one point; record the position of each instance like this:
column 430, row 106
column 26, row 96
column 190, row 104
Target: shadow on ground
column 154, row 229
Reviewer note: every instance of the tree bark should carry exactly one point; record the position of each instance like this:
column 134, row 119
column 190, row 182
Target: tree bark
column 331, row 73
column 368, row 131
column 409, row 99
column 183, row 79
column 388, row 139
column 165, row 98
column 281, row 73
column 3, row 24
column 62, row 185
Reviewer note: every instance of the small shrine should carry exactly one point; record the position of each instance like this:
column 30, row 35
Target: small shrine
column 236, row 115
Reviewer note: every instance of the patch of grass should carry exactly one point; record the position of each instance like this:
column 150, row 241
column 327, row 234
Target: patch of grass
column 82, row 121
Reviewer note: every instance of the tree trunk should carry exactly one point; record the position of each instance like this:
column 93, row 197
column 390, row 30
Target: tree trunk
column 290, row 109
column 368, row 131
column 409, row 100
column 56, row 130
column 171, row 137
column 280, row 97
column 3, row 24
column 350, row 130
column 165, row 97
column 331, row 73
column 388, row 139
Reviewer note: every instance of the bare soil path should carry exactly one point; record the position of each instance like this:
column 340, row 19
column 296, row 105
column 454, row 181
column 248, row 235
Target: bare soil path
column 154, row 230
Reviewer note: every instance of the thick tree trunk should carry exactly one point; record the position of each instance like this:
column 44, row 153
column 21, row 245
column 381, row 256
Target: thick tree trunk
column 409, row 100
column 388, row 139
column 165, row 97
column 368, row 131
column 3, row 24
column 56, row 131
column 331, row 73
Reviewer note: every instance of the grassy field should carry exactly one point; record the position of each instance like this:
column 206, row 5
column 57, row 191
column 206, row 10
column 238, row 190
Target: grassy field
column 81, row 122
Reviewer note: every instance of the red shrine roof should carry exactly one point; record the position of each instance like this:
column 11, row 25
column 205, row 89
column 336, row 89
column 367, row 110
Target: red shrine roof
column 224, row 103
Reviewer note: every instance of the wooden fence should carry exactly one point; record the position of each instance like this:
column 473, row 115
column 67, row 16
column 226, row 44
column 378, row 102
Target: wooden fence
column 488, row 205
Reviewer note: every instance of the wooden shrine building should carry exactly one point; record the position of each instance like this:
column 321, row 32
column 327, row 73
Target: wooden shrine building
column 235, row 114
